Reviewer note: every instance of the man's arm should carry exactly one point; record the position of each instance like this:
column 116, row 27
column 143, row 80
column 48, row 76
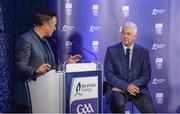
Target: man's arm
column 22, row 55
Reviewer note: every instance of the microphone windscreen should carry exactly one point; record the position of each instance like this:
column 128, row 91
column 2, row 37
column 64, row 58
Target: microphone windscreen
column 68, row 43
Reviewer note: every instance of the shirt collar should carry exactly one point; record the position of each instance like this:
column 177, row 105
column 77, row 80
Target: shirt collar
column 131, row 47
column 41, row 39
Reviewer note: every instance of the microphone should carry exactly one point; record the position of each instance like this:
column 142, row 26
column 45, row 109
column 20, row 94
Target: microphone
column 95, row 57
column 68, row 46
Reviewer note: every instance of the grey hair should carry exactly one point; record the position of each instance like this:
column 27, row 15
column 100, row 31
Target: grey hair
column 132, row 25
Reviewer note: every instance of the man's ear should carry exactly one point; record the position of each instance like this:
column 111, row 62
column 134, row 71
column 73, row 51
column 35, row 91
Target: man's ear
column 135, row 36
column 45, row 26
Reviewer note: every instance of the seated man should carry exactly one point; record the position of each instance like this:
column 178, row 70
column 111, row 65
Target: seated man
column 128, row 71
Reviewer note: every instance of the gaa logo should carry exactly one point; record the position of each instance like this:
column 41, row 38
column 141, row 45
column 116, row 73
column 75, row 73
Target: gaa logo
column 125, row 11
column 95, row 10
column 159, row 98
column 159, row 63
column 84, row 108
column 68, row 8
column 159, row 28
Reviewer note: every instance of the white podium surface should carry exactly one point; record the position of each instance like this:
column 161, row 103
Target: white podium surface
column 44, row 93
column 79, row 67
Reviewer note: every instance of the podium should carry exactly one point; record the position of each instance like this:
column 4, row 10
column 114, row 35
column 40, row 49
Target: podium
column 78, row 86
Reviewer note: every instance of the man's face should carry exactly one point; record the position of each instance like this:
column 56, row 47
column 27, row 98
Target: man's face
column 50, row 27
column 128, row 36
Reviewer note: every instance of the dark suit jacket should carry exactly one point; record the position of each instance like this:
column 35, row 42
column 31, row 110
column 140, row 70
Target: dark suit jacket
column 115, row 68
column 29, row 55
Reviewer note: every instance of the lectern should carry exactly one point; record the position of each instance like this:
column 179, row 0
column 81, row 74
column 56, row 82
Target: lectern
column 76, row 89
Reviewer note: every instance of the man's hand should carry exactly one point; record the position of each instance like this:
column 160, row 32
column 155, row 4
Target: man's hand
column 43, row 68
column 133, row 90
column 74, row 59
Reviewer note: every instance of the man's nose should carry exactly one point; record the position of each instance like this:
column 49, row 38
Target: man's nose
column 125, row 35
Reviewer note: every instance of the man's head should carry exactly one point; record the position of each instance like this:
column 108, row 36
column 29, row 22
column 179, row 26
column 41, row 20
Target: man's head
column 128, row 33
column 46, row 21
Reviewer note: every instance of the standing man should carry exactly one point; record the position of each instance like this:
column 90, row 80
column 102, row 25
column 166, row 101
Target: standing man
column 33, row 56
column 127, row 70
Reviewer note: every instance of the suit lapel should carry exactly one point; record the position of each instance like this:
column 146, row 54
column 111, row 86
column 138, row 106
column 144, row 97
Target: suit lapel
column 122, row 55
column 134, row 56
column 122, row 59
column 37, row 41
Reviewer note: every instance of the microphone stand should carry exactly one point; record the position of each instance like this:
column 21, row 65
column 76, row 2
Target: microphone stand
column 96, row 59
column 58, row 59
column 58, row 67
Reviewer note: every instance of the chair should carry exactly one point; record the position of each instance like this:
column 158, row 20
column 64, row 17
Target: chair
column 129, row 108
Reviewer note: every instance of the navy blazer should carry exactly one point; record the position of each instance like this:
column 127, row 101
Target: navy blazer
column 29, row 55
column 115, row 68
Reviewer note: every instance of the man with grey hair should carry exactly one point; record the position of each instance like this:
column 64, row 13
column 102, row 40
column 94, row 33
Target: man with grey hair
column 127, row 70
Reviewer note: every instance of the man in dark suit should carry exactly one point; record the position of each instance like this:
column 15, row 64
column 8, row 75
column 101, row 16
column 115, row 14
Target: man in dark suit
column 33, row 56
column 127, row 70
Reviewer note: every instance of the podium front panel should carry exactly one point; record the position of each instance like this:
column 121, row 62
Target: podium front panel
column 83, row 92
column 44, row 93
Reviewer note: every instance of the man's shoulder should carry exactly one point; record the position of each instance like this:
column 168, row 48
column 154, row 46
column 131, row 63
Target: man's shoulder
column 140, row 47
column 118, row 45
column 27, row 36
column 27, row 33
